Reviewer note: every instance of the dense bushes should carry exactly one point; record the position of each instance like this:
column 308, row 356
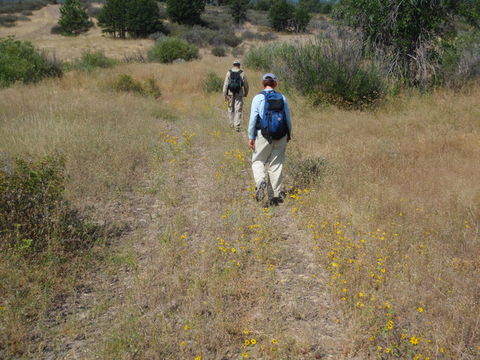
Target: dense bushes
column 91, row 60
column 169, row 49
column 138, row 18
column 327, row 71
column 212, row 83
column 73, row 18
column 125, row 83
column 34, row 214
column 20, row 61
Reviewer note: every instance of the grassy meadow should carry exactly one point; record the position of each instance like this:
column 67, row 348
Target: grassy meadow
column 375, row 253
column 388, row 226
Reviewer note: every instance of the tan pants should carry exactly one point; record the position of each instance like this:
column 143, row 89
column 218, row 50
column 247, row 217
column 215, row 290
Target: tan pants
column 235, row 108
column 272, row 154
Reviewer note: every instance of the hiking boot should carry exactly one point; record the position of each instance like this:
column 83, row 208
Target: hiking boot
column 261, row 191
column 275, row 201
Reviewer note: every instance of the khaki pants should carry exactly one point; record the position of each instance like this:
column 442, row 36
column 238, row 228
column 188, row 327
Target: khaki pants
column 272, row 154
column 235, row 108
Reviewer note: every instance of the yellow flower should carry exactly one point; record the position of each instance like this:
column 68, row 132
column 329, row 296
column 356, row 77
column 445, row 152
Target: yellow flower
column 388, row 350
column 246, row 343
column 387, row 305
column 246, row 332
column 198, row 357
column 253, row 341
column 420, row 309
column 184, row 236
column 233, row 250
column 360, row 294
column 379, row 348
column 442, row 350
column 182, row 343
column 414, row 340
column 244, row 355
column 186, row 327
column 371, row 338
column 274, row 341
column 390, row 325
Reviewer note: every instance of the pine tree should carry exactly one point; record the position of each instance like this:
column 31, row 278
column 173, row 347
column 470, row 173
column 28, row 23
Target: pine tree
column 143, row 18
column 185, row 11
column 281, row 15
column 113, row 18
column 239, row 10
column 73, row 17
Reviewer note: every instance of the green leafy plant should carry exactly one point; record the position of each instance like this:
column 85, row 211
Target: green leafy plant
column 20, row 61
column 212, row 83
column 219, row 51
column 73, row 18
column 185, row 11
column 169, row 49
column 91, row 60
column 34, row 214
column 125, row 83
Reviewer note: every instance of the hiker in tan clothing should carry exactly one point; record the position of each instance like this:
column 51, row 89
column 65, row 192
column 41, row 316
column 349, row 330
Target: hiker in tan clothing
column 235, row 88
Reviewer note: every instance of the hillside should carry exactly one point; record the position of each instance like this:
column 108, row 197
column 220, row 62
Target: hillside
column 375, row 253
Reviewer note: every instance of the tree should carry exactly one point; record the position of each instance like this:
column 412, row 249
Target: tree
column 73, row 17
column 239, row 10
column 413, row 31
column 301, row 18
column 138, row 18
column 143, row 18
column 185, row 11
column 113, row 18
column 404, row 25
column 281, row 14
column 263, row 5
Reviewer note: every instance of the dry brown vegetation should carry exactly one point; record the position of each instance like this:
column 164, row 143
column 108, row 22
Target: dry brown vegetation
column 375, row 255
column 389, row 230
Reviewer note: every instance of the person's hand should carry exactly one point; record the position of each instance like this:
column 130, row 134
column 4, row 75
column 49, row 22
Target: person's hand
column 226, row 97
column 251, row 144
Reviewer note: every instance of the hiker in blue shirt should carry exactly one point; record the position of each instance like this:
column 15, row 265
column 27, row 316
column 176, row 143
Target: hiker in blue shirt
column 269, row 131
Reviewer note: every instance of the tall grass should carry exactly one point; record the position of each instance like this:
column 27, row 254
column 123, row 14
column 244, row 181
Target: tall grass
column 393, row 193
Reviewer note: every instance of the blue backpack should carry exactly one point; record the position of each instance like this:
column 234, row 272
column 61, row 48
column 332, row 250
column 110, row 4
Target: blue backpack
column 273, row 123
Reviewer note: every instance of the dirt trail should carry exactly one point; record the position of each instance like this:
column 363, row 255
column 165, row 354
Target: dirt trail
column 299, row 307
column 305, row 305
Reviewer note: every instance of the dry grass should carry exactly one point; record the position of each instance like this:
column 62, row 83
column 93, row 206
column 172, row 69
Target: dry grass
column 37, row 30
column 399, row 222
column 409, row 170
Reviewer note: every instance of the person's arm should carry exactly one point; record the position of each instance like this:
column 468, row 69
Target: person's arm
column 288, row 117
column 225, row 84
column 245, row 85
column 252, row 124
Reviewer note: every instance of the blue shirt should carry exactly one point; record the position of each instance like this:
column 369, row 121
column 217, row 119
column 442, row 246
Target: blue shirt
column 258, row 105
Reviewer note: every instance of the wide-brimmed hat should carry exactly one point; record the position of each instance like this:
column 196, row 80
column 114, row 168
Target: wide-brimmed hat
column 236, row 62
column 269, row 76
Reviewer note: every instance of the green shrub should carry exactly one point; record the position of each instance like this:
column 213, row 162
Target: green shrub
column 20, row 61
column 73, row 18
column 169, row 49
column 34, row 214
column 327, row 71
column 212, row 83
column 125, row 83
column 91, row 60
column 219, row 51
column 249, row 35
column 151, row 88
